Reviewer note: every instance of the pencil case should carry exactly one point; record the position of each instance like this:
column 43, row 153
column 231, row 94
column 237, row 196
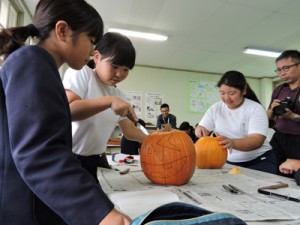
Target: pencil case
column 179, row 213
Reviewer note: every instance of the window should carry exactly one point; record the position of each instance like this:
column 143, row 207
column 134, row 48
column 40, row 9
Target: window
column 10, row 13
column 12, row 17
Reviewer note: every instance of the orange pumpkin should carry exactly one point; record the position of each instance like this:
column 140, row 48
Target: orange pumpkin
column 210, row 154
column 168, row 158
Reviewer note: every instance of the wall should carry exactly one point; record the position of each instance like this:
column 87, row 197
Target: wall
column 266, row 85
column 173, row 85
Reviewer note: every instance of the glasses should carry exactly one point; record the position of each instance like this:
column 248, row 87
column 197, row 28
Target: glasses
column 285, row 68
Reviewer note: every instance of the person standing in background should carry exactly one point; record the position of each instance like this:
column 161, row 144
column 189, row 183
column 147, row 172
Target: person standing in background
column 165, row 119
column 284, row 109
column 41, row 181
column 97, row 105
column 190, row 130
column 241, row 124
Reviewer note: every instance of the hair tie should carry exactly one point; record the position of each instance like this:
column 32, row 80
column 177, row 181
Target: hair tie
column 32, row 30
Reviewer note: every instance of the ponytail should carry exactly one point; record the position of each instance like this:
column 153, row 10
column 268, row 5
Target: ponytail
column 79, row 15
column 250, row 94
column 13, row 38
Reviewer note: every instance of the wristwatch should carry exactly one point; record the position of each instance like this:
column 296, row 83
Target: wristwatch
column 296, row 118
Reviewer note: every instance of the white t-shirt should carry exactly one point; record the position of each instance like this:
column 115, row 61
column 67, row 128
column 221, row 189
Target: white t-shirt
column 249, row 118
column 90, row 136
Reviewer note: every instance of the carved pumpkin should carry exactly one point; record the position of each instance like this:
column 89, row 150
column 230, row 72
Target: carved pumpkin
column 210, row 154
column 168, row 158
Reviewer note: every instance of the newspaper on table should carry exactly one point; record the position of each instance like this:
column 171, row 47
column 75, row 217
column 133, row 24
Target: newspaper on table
column 204, row 190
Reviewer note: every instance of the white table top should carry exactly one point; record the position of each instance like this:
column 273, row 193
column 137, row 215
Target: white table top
column 134, row 194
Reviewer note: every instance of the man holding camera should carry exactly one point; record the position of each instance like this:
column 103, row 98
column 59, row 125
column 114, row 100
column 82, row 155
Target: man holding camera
column 284, row 109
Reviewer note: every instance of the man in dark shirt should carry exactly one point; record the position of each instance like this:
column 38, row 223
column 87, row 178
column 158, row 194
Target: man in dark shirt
column 165, row 118
column 284, row 108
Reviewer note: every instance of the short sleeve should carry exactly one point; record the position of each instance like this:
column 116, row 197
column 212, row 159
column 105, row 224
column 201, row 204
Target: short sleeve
column 77, row 80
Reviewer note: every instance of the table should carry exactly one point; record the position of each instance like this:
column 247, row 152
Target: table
column 114, row 143
column 134, row 194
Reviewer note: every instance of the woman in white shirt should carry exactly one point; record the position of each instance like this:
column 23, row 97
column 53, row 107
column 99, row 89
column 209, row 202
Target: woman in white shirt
column 241, row 124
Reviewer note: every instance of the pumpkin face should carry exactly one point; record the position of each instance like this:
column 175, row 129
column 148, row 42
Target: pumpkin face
column 168, row 158
column 210, row 154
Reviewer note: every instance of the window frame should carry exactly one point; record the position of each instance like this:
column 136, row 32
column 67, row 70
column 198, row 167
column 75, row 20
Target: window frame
column 12, row 13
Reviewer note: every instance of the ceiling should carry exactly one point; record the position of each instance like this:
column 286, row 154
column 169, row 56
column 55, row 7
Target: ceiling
column 206, row 35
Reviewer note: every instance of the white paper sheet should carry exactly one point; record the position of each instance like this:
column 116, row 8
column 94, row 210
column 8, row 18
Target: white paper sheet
column 135, row 203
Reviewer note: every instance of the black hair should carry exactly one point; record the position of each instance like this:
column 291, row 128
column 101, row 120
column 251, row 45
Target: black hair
column 185, row 126
column 293, row 54
column 237, row 80
column 78, row 14
column 118, row 48
column 164, row 105
column 91, row 64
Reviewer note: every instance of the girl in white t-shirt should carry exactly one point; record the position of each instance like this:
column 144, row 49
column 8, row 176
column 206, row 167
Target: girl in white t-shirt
column 241, row 124
column 97, row 106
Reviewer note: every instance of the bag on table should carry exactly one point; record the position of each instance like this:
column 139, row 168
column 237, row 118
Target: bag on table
column 178, row 213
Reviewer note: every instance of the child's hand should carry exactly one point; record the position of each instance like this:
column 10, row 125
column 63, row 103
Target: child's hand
column 226, row 142
column 116, row 218
column 122, row 108
column 200, row 131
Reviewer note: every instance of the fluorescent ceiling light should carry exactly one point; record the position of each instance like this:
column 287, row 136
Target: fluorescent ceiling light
column 131, row 33
column 261, row 52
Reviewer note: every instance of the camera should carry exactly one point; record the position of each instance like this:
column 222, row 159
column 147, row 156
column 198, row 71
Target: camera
column 280, row 109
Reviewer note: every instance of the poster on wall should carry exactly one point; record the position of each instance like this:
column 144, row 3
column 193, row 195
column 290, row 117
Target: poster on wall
column 202, row 94
column 135, row 98
column 152, row 106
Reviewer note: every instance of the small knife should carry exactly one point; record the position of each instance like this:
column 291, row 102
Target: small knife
column 138, row 125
